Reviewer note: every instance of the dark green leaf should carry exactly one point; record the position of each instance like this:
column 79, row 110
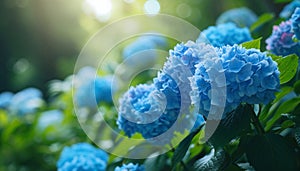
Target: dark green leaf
column 288, row 67
column 252, row 44
column 182, row 148
column 286, row 107
column 231, row 127
column 287, row 124
column 282, row 1
column 297, row 87
column 211, row 162
column 271, row 152
column 157, row 163
column 284, row 91
column 262, row 20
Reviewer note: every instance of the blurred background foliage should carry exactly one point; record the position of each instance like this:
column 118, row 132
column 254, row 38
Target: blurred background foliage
column 41, row 39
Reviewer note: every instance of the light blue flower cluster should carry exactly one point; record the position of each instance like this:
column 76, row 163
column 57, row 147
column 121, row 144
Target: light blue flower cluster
column 5, row 99
column 289, row 9
column 225, row 34
column 242, row 17
column 251, row 77
column 48, row 118
column 152, row 109
column 281, row 41
column 82, row 157
column 130, row 167
column 26, row 101
column 296, row 23
column 142, row 52
column 144, row 42
column 93, row 89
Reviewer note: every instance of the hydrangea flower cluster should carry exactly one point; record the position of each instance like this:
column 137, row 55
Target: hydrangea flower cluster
column 49, row 118
column 242, row 17
column 142, row 110
column 93, row 89
column 144, row 47
column 296, row 23
column 281, row 41
column 5, row 99
column 82, row 157
column 251, row 77
column 130, row 167
column 152, row 109
column 289, row 9
column 225, row 34
column 26, row 101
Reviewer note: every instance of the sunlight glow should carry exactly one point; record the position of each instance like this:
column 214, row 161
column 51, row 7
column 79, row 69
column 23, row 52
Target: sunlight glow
column 100, row 8
column 152, row 7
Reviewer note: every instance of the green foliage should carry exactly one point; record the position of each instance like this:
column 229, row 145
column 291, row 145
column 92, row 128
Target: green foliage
column 287, row 66
column 263, row 19
column 252, row 44
column 271, row 152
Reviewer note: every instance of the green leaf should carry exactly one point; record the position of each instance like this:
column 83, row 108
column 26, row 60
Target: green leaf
column 284, row 91
column 262, row 20
column 282, row 1
column 232, row 126
column 252, row 44
column 297, row 87
column 271, row 152
column 158, row 163
column 182, row 148
column 286, row 107
column 288, row 67
column 287, row 124
column 211, row 162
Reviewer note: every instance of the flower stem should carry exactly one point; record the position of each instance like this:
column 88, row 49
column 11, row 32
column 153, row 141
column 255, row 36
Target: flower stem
column 256, row 123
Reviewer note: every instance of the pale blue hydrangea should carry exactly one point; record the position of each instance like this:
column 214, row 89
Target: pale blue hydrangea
column 189, row 54
column 225, row 34
column 296, row 23
column 143, row 51
column 48, row 118
column 242, row 17
column 251, row 77
column 5, row 99
column 289, row 9
column 92, row 89
column 145, row 42
column 26, row 101
column 142, row 110
column 281, row 41
column 82, row 157
column 130, row 167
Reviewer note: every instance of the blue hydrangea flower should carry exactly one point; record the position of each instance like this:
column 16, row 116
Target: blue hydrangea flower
column 26, row 101
column 142, row 111
column 52, row 117
column 251, row 77
column 82, row 157
column 242, row 17
column 281, row 41
column 296, row 23
column 168, row 97
column 225, row 34
column 189, row 54
column 142, row 52
column 289, row 9
column 93, row 89
column 145, row 42
column 5, row 99
column 130, row 167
